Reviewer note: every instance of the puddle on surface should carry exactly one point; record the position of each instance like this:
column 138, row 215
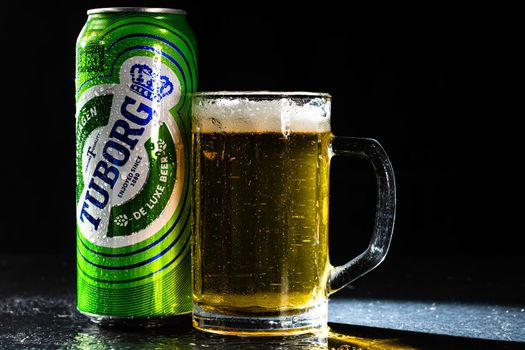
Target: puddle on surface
column 44, row 322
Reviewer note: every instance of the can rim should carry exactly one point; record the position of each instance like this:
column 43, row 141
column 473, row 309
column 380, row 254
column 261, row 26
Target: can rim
column 262, row 93
column 136, row 9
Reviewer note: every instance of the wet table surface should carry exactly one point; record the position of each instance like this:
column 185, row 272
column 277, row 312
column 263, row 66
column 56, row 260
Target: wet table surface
column 394, row 308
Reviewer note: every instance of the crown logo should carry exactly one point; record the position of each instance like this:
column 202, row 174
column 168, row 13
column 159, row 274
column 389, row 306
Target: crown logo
column 148, row 83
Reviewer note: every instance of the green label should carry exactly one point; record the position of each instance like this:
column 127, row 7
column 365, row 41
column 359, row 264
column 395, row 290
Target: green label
column 128, row 160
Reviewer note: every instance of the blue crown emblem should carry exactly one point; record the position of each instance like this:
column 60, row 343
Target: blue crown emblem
column 149, row 84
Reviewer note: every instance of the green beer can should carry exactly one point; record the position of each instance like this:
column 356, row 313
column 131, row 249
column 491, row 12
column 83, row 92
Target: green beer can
column 135, row 72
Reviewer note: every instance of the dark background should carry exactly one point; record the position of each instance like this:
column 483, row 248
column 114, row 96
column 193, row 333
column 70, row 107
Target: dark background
column 435, row 83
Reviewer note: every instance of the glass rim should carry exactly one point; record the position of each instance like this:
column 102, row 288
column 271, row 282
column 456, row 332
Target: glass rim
column 263, row 93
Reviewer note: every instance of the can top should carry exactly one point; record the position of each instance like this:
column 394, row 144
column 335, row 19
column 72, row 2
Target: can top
column 136, row 9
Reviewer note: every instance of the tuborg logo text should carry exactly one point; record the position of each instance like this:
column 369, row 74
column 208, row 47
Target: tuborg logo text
column 141, row 103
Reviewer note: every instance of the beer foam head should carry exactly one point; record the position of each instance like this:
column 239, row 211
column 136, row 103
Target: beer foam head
column 257, row 113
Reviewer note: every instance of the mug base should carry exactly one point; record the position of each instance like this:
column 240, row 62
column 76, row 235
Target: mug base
column 311, row 320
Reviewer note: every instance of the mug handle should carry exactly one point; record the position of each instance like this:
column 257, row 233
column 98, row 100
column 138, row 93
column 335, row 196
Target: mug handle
column 371, row 150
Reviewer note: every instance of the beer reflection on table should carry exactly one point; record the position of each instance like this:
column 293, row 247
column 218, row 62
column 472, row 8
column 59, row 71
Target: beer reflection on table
column 339, row 337
column 94, row 337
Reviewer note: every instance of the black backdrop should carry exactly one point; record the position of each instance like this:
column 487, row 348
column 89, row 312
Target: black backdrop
column 432, row 82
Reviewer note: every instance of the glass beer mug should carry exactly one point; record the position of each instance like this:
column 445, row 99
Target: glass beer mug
column 261, row 166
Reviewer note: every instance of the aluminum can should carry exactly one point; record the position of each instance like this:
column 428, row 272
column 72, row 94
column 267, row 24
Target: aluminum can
column 135, row 72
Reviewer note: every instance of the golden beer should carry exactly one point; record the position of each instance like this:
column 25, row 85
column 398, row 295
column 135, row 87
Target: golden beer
column 260, row 239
